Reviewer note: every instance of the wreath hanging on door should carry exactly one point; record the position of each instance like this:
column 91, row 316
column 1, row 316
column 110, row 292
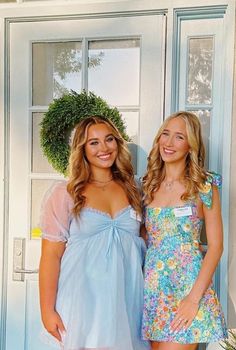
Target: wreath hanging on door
column 61, row 118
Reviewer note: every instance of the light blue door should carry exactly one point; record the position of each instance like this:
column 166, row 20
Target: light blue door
column 117, row 59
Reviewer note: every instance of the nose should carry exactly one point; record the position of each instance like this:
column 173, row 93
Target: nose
column 103, row 147
column 169, row 140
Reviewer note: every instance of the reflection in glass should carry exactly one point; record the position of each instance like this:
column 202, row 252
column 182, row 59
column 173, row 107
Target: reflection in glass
column 116, row 77
column 131, row 119
column 205, row 120
column 39, row 163
column 38, row 191
column 200, row 64
column 56, row 70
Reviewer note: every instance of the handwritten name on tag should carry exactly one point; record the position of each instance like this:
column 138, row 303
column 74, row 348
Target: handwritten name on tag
column 182, row 211
column 134, row 215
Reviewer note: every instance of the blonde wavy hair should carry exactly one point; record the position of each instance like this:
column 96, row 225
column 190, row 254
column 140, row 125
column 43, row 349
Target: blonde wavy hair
column 194, row 176
column 79, row 167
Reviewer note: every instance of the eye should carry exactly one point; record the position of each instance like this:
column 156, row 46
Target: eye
column 165, row 133
column 179, row 137
column 110, row 138
column 93, row 143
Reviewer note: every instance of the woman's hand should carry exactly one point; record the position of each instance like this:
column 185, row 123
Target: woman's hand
column 186, row 312
column 54, row 325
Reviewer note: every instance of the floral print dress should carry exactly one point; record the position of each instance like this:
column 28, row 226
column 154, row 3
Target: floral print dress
column 173, row 262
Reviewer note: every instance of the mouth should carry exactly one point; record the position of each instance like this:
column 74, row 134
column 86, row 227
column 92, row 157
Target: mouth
column 168, row 151
column 106, row 156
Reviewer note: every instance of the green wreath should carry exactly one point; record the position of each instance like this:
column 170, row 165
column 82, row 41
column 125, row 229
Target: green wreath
column 63, row 115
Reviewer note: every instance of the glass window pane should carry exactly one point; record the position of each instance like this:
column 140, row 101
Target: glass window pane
column 39, row 163
column 205, row 120
column 38, row 190
column 114, row 70
column 56, row 70
column 200, row 64
column 131, row 119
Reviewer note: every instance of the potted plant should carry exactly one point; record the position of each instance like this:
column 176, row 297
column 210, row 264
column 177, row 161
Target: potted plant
column 230, row 343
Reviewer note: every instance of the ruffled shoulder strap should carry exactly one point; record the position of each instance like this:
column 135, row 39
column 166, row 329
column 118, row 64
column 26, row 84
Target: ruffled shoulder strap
column 205, row 191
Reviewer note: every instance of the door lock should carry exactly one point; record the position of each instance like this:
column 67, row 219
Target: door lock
column 19, row 270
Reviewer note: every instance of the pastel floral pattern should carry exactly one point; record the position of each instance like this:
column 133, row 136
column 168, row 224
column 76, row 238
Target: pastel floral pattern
column 173, row 261
column 205, row 191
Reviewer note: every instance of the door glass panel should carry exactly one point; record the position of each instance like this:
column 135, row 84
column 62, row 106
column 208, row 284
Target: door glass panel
column 39, row 163
column 200, row 64
column 114, row 70
column 131, row 119
column 205, row 120
column 56, row 70
column 38, row 190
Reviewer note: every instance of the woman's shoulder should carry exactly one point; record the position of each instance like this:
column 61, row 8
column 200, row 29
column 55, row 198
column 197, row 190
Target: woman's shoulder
column 206, row 188
column 59, row 186
column 58, row 192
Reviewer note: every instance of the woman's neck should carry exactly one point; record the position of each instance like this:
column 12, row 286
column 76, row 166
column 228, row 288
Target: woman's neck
column 101, row 175
column 174, row 172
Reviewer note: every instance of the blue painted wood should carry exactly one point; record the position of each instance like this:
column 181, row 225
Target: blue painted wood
column 218, row 138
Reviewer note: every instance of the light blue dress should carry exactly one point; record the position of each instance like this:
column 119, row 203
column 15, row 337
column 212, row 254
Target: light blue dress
column 100, row 290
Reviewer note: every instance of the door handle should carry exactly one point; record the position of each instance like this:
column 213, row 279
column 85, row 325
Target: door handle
column 26, row 271
column 19, row 269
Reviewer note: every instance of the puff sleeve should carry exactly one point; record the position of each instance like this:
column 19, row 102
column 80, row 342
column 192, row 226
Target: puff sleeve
column 205, row 191
column 56, row 213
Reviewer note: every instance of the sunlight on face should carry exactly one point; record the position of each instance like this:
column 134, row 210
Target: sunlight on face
column 173, row 141
column 101, row 147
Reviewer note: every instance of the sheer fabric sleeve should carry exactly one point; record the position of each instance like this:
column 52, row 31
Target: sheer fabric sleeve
column 205, row 191
column 56, row 213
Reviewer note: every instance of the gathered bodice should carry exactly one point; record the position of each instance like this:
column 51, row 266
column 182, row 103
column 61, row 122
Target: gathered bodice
column 93, row 222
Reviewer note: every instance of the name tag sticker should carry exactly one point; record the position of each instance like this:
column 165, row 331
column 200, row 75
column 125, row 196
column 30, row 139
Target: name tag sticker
column 134, row 215
column 183, row 211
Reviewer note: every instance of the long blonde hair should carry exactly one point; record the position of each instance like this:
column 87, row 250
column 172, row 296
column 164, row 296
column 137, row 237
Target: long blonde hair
column 194, row 176
column 79, row 167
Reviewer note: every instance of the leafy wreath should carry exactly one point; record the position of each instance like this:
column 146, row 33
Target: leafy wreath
column 61, row 118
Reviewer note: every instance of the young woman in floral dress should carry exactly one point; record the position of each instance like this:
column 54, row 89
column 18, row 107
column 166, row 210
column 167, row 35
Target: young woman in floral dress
column 181, row 308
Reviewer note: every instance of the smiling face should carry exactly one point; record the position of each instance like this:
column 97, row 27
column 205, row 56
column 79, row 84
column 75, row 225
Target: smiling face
column 173, row 141
column 101, row 147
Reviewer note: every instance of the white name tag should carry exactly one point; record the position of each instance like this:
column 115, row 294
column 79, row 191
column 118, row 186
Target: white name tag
column 134, row 215
column 182, row 211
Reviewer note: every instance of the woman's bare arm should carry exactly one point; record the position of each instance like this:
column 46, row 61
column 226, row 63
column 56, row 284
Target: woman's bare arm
column 188, row 307
column 49, row 270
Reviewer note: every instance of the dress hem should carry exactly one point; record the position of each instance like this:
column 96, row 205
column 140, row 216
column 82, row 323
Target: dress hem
column 193, row 342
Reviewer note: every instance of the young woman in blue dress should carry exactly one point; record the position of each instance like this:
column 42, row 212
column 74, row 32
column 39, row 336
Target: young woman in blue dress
column 91, row 282
column 181, row 308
